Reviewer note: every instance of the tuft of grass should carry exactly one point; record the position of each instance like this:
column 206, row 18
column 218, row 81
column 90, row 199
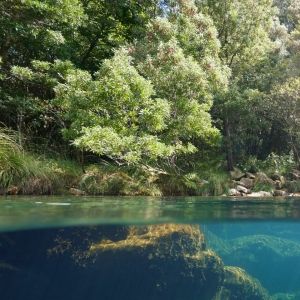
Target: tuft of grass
column 31, row 174
column 216, row 184
column 263, row 187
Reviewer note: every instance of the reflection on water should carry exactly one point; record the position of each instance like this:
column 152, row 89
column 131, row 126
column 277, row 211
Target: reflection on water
column 212, row 261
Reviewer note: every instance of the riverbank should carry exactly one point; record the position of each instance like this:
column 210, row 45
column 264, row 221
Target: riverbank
column 28, row 174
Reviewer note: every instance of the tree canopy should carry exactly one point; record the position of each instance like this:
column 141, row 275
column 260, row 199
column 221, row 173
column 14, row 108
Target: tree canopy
column 145, row 82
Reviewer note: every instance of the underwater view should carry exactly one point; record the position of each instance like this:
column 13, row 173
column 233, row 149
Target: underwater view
column 149, row 248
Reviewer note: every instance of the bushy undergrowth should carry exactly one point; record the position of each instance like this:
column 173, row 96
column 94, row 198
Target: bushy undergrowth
column 25, row 173
column 274, row 163
column 109, row 179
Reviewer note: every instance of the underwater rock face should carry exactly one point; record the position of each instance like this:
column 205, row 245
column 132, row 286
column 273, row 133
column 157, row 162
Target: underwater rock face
column 239, row 285
column 158, row 262
column 260, row 255
column 166, row 262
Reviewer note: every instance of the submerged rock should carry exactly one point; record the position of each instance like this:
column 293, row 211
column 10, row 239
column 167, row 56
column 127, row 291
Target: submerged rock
column 239, row 285
column 159, row 262
column 266, row 257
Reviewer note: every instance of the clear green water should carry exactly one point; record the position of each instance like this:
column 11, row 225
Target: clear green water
column 149, row 248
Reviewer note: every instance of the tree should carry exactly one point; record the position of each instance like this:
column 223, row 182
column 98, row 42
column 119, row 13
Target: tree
column 80, row 31
column 286, row 101
column 116, row 114
column 243, row 30
column 179, row 56
column 31, row 30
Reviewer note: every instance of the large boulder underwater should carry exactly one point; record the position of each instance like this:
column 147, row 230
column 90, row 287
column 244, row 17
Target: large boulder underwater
column 158, row 262
column 119, row 262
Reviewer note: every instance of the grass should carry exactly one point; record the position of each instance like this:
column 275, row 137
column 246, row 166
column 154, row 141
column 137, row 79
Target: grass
column 28, row 174
column 263, row 187
column 217, row 184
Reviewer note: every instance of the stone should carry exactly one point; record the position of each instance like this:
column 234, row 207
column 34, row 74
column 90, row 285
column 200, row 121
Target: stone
column 12, row 190
column 260, row 194
column 173, row 260
column 236, row 174
column 234, row 193
column 76, row 192
column 293, row 186
column 280, row 193
column 294, row 175
column 275, row 176
column 246, row 182
column 250, row 175
column 262, row 178
column 278, row 184
column 242, row 189
column 240, row 285
column 294, row 195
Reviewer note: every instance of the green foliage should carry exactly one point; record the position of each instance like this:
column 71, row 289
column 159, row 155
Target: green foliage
column 286, row 100
column 116, row 114
column 32, row 174
column 273, row 164
column 217, row 184
column 293, row 186
column 243, row 30
column 263, row 187
column 111, row 180
column 172, row 85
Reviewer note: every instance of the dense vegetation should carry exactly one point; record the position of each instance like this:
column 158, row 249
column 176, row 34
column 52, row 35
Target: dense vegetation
column 146, row 97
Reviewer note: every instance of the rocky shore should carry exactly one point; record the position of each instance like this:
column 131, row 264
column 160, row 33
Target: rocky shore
column 246, row 184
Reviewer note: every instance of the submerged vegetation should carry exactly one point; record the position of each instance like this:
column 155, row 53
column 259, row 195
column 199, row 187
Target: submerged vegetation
column 160, row 97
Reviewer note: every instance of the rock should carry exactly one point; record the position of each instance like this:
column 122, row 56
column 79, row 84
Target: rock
column 262, row 178
column 280, row 193
column 246, row 182
column 240, row 285
column 250, row 175
column 294, row 175
column 242, row 189
column 261, row 252
column 260, row 194
column 278, row 184
column 294, row 195
column 168, row 261
column 234, row 192
column 237, row 174
column 293, row 186
column 12, row 190
column 76, row 192
column 275, row 176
